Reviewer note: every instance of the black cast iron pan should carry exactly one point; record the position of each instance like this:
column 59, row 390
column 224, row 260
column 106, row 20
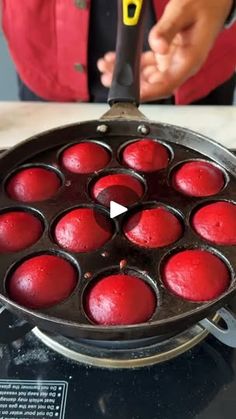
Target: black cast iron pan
column 121, row 124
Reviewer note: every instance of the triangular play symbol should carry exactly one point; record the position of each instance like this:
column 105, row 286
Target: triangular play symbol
column 116, row 209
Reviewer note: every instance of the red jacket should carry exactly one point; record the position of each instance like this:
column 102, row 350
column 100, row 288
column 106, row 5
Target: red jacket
column 48, row 42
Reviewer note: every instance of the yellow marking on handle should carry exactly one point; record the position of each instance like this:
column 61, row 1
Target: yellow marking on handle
column 131, row 21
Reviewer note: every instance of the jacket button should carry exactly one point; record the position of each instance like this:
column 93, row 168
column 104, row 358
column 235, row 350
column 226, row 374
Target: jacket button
column 81, row 4
column 79, row 67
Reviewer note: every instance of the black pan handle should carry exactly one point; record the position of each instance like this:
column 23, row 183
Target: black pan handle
column 11, row 327
column 130, row 32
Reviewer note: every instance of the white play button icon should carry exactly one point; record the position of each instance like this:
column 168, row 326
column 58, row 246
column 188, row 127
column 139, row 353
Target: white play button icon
column 116, row 209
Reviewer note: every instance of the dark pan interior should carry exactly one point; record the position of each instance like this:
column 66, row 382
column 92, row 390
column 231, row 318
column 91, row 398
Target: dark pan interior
column 172, row 314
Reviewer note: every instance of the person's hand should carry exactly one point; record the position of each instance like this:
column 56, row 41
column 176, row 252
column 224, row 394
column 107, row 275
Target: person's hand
column 180, row 43
column 106, row 67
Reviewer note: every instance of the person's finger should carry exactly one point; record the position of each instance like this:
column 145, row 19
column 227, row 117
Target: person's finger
column 151, row 62
column 150, row 92
column 147, row 71
column 161, row 84
column 110, row 56
column 147, row 58
column 163, row 61
column 105, row 66
column 177, row 73
column 106, row 79
column 189, row 56
column 101, row 65
column 107, row 62
column 175, row 19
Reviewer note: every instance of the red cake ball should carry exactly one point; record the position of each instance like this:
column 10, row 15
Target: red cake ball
column 83, row 230
column 18, row 230
column 85, row 157
column 196, row 275
column 198, row 178
column 155, row 227
column 120, row 300
column 216, row 222
column 146, row 155
column 121, row 188
column 42, row 281
column 33, row 184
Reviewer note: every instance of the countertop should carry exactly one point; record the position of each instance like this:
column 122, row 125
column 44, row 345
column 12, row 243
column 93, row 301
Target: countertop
column 20, row 120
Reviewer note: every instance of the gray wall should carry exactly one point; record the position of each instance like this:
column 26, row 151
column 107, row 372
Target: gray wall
column 8, row 84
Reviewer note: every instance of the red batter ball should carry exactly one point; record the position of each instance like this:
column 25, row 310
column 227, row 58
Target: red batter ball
column 216, row 222
column 196, row 275
column 42, row 281
column 85, row 158
column 155, row 227
column 119, row 300
column 33, row 184
column 18, row 230
column 198, row 178
column 146, row 155
column 122, row 188
column 83, row 230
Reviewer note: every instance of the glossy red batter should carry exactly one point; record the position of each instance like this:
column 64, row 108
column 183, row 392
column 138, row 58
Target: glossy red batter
column 83, row 230
column 33, row 184
column 196, row 275
column 198, row 178
column 122, row 188
column 216, row 222
column 85, row 157
column 42, row 281
column 18, row 230
column 120, row 300
column 146, row 155
column 155, row 227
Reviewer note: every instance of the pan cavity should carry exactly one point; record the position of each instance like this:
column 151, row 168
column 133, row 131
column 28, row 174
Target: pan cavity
column 196, row 275
column 34, row 183
column 19, row 229
column 153, row 226
column 145, row 155
column 198, row 178
column 118, row 298
column 42, row 281
column 121, row 186
column 216, row 222
column 83, row 229
column 85, row 157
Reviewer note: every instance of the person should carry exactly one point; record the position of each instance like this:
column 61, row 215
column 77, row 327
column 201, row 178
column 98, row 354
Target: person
column 63, row 50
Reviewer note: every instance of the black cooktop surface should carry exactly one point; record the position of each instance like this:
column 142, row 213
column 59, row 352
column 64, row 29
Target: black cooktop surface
column 37, row 382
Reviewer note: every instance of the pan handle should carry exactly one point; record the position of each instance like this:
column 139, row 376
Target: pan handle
column 130, row 33
column 225, row 335
column 12, row 329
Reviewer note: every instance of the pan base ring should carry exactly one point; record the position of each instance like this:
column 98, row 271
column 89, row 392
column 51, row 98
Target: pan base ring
column 150, row 353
